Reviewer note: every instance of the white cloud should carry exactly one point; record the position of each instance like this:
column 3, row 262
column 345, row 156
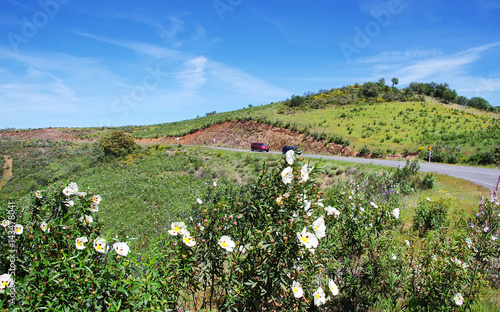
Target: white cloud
column 138, row 47
column 193, row 75
column 234, row 79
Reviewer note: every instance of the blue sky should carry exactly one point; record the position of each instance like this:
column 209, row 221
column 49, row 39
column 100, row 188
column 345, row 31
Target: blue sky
column 69, row 63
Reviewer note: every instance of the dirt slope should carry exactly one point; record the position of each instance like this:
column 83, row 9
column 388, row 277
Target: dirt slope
column 242, row 134
column 228, row 134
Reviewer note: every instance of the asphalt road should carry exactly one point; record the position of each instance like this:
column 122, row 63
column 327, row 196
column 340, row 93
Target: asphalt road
column 481, row 176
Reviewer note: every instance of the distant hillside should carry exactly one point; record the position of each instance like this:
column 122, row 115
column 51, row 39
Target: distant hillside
column 372, row 119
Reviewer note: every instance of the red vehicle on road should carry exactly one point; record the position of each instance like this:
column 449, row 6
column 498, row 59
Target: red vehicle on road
column 261, row 147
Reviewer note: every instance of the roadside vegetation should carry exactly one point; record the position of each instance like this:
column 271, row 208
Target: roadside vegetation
column 388, row 239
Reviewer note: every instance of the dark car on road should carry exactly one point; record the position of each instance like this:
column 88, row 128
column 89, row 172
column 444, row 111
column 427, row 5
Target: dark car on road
column 261, row 147
column 286, row 148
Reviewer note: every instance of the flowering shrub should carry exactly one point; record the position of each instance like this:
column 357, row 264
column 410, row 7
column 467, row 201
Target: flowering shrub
column 280, row 243
column 53, row 256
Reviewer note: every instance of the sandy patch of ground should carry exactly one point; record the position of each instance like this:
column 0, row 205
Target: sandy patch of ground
column 8, row 170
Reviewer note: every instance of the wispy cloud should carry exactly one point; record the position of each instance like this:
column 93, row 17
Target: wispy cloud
column 193, row 75
column 244, row 83
column 155, row 51
column 444, row 64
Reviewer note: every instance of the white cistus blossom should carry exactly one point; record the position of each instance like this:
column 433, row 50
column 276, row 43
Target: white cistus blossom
column 5, row 223
column 199, row 201
column 332, row 211
column 395, row 213
column 227, row 243
column 319, row 297
column 333, row 287
column 38, row 194
column 100, row 245
column 297, row 289
column 177, row 228
column 94, row 207
column 308, row 239
column 287, row 175
column 5, row 280
column 18, row 229
column 96, row 199
column 79, row 242
column 290, row 157
column 121, row 248
column 319, row 228
column 44, row 226
column 459, row 299
column 304, row 172
column 188, row 240
column 71, row 189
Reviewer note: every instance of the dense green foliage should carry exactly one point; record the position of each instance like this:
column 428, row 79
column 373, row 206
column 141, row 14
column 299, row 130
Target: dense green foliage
column 117, row 143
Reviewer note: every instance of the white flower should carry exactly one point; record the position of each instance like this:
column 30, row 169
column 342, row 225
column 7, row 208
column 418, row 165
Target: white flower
column 89, row 219
column 5, row 223
column 121, row 248
column 407, row 242
column 290, row 157
column 332, row 211
column 279, row 200
column 80, row 241
column 96, row 199
column 188, row 240
column 319, row 297
column 459, row 299
column 287, row 175
column 100, row 245
column 44, row 227
column 395, row 213
column 18, row 228
column 486, row 229
column 394, row 257
column 304, row 172
column 5, row 280
column 308, row 239
column 307, row 205
column 428, row 199
column 333, row 287
column 38, row 194
column 68, row 191
column 319, row 228
column 81, row 194
column 199, row 201
column 226, row 243
column 469, row 242
column 94, row 207
column 69, row 203
column 214, row 184
column 374, row 205
column 73, row 187
column 296, row 288
column 177, row 228
column 494, row 237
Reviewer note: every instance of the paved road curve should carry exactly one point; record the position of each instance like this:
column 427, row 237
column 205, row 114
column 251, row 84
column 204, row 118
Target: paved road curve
column 482, row 176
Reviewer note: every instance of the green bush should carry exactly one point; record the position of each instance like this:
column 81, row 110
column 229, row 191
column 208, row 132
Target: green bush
column 117, row 143
column 430, row 215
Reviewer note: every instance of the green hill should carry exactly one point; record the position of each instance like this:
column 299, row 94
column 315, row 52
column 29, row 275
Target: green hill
column 391, row 121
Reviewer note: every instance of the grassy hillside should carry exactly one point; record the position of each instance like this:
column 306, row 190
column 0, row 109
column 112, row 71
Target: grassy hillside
column 459, row 133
